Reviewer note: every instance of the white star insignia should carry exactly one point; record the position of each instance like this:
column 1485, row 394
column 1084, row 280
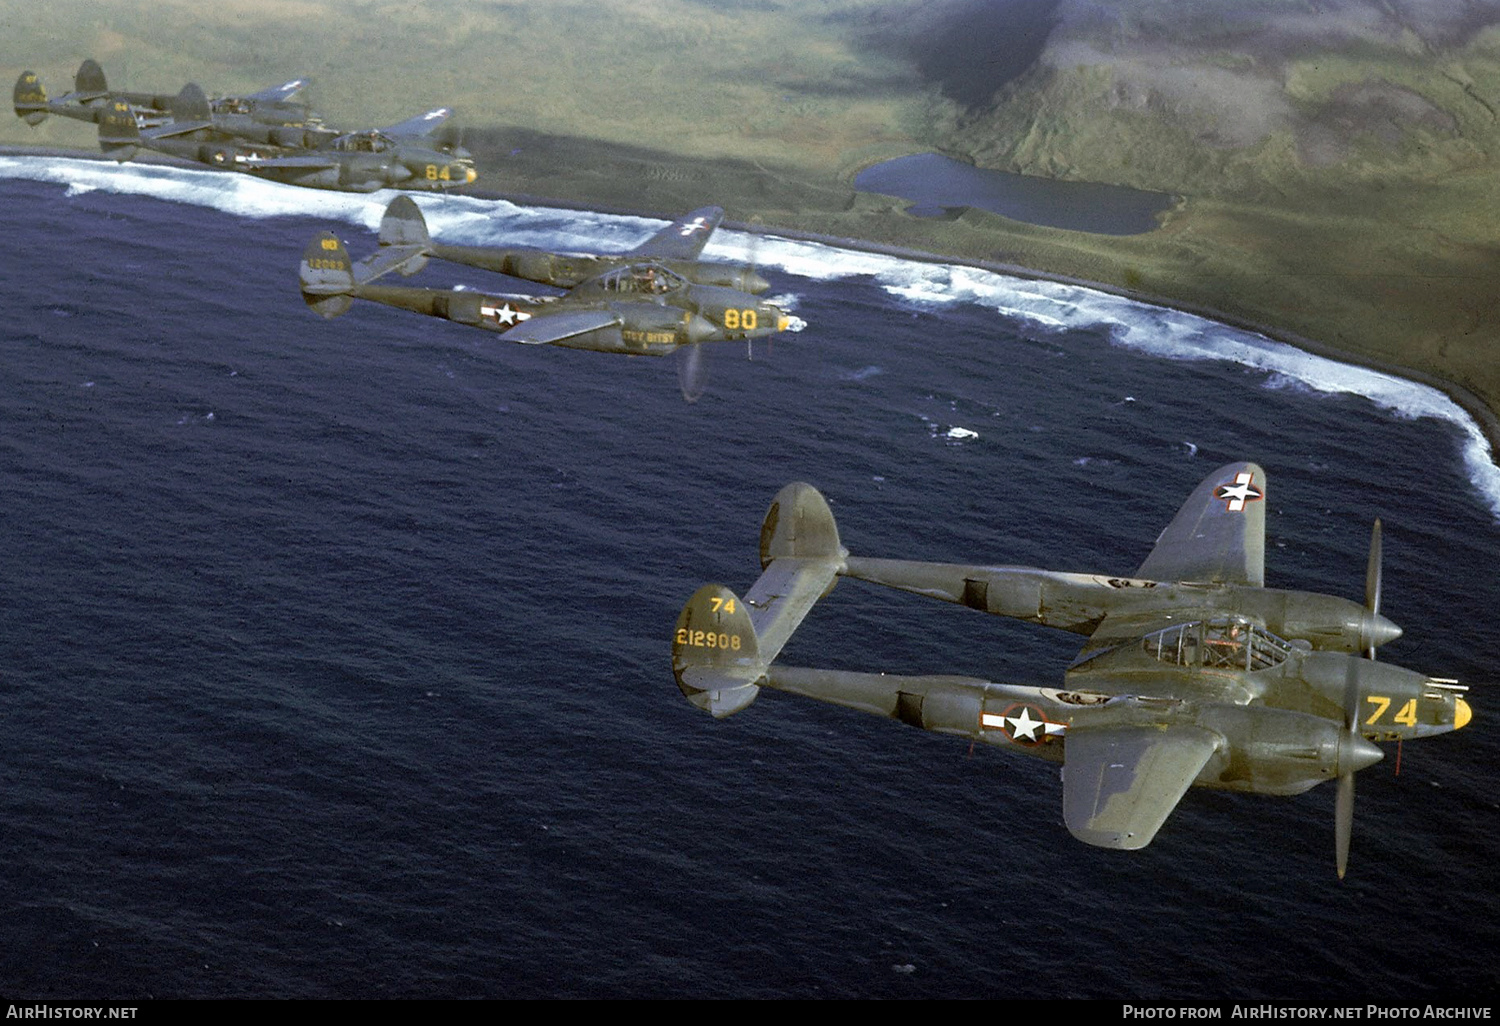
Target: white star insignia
column 1023, row 726
column 696, row 224
column 1237, row 493
column 506, row 314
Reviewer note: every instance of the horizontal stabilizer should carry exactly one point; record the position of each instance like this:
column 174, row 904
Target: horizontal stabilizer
column 405, row 260
column 783, row 596
column 1120, row 783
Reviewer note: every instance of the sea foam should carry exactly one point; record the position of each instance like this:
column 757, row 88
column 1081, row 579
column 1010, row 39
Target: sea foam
column 1044, row 305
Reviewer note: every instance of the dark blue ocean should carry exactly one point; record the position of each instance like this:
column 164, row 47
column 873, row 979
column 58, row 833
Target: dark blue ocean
column 334, row 655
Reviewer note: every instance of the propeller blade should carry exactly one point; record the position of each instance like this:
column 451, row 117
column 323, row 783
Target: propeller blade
column 1343, row 822
column 1372, row 583
column 753, row 281
column 692, row 372
column 1343, row 809
column 1372, row 570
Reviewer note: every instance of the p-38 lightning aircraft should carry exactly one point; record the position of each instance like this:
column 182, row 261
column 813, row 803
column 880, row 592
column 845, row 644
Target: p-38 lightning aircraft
column 677, row 247
column 276, row 106
column 641, row 303
column 1194, row 672
column 398, row 157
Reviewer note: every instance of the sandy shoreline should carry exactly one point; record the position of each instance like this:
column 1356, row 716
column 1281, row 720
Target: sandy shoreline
column 1485, row 417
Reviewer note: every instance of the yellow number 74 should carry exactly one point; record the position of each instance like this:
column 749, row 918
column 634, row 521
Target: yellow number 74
column 1407, row 715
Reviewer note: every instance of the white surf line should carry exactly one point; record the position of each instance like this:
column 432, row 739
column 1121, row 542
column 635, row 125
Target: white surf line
column 1159, row 331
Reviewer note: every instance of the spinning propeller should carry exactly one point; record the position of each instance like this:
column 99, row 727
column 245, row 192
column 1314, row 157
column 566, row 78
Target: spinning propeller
column 692, row 365
column 1355, row 753
column 692, row 371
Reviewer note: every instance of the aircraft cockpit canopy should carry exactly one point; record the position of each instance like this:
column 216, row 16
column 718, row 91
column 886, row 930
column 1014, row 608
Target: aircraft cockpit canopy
column 363, row 142
column 1229, row 643
column 642, row 279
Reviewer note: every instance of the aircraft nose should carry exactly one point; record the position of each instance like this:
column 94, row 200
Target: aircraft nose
column 470, row 175
column 1462, row 714
column 1376, row 630
column 770, row 314
column 755, row 284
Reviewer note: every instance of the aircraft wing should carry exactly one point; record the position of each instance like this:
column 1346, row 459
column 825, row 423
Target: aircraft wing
column 301, row 162
column 557, row 327
column 1120, row 783
column 173, row 128
column 280, row 94
column 684, row 238
column 421, row 125
column 1219, row 535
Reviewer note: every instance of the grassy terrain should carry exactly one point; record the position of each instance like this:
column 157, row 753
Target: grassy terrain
column 1339, row 171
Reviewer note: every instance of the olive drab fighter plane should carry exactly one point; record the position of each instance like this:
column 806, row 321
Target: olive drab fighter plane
column 677, row 247
column 1193, row 672
column 277, row 106
column 402, row 156
column 646, row 302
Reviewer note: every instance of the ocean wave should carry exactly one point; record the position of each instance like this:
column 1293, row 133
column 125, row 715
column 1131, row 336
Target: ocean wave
column 1154, row 330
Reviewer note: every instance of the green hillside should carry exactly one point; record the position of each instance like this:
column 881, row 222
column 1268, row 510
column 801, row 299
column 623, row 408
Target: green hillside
column 1337, row 159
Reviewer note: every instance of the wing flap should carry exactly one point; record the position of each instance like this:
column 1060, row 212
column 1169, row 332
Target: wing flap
column 557, row 327
column 1219, row 534
column 173, row 129
column 684, row 238
column 1121, row 783
column 297, row 163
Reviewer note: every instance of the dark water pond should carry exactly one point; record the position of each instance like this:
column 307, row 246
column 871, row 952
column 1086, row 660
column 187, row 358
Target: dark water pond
column 938, row 184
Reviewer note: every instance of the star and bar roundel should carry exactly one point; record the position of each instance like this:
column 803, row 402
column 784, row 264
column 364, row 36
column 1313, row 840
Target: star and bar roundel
column 1237, row 493
column 504, row 314
column 1022, row 723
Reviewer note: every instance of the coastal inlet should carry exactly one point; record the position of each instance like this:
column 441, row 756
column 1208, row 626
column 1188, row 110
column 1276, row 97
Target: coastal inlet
column 940, row 186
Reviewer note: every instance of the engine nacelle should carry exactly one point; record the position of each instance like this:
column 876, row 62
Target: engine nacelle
column 531, row 266
column 1277, row 751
